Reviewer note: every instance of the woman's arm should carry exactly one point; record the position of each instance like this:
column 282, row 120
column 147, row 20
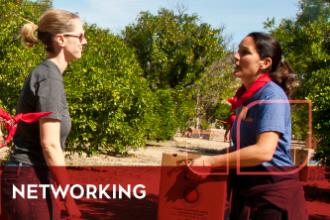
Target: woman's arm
column 249, row 156
column 50, row 142
column 54, row 156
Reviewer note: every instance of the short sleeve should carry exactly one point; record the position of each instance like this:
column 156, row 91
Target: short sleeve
column 50, row 97
column 273, row 116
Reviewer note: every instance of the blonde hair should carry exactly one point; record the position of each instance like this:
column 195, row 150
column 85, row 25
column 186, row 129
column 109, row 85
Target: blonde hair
column 52, row 22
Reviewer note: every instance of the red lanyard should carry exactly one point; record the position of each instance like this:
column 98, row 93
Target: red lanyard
column 243, row 94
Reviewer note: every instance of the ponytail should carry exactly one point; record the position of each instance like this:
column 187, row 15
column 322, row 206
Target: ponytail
column 28, row 34
column 284, row 77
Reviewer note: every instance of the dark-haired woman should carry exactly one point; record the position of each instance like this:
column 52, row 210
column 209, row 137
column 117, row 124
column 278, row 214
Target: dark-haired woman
column 37, row 156
column 261, row 136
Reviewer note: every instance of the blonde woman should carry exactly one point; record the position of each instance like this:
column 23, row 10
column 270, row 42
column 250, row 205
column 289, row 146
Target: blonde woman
column 39, row 146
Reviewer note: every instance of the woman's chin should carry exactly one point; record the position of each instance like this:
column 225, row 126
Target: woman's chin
column 237, row 74
column 75, row 57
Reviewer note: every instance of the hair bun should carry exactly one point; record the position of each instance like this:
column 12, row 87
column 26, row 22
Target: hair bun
column 28, row 34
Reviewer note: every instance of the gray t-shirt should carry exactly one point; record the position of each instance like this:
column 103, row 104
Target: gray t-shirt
column 43, row 91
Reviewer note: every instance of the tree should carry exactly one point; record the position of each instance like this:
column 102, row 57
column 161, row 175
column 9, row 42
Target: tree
column 15, row 60
column 216, row 85
column 306, row 44
column 173, row 49
column 176, row 51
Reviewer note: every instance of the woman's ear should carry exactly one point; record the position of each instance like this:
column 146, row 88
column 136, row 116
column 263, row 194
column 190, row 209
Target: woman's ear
column 266, row 63
column 59, row 40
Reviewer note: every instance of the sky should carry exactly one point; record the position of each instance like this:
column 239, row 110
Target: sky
column 238, row 17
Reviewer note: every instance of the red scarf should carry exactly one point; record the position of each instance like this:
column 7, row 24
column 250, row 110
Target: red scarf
column 243, row 94
column 11, row 122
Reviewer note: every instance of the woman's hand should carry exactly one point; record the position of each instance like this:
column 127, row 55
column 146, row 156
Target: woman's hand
column 72, row 208
column 199, row 168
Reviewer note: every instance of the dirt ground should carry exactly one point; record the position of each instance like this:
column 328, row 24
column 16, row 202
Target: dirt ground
column 150, row 155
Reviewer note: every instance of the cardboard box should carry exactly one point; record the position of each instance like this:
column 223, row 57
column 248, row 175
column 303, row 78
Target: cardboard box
column 184, row 199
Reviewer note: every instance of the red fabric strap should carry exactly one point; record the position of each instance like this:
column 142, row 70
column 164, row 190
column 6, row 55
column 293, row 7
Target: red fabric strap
column 11, row 122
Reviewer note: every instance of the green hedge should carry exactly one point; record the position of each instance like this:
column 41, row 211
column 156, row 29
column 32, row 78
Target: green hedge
column 109, row 99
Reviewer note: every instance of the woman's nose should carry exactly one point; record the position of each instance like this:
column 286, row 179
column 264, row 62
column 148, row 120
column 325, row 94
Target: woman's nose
column 236, row 57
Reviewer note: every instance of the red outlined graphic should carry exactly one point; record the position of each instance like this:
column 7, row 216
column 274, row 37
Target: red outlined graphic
column 204, row 171
column 241, row 116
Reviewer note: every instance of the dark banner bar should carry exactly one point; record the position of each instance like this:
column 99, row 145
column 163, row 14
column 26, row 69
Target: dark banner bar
column 141, row 192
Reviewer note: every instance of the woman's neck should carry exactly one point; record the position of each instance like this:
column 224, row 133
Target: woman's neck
column 59, row 61
column 248, row 82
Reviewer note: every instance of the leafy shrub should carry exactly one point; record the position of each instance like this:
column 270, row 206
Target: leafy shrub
column 16, row 61
column 109, row 99
column 162, row 121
